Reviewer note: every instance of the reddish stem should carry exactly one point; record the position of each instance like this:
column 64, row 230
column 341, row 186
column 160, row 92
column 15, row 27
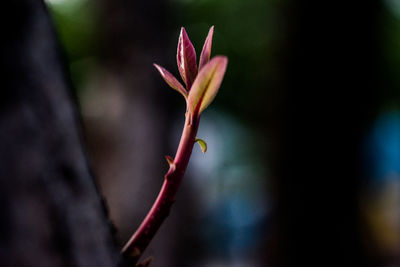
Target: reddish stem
column 161, row 207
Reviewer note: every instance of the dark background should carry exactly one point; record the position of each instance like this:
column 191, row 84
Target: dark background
column 303, row 160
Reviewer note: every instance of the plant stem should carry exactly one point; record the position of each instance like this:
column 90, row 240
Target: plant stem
column 161, row 207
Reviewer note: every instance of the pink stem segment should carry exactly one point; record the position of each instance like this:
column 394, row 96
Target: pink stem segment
column 161, row 207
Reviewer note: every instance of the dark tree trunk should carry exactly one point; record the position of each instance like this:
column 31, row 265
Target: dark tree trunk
column 51, row 212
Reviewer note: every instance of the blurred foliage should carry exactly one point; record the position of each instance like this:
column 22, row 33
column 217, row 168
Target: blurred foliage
column 391, row 53
column 76, row 26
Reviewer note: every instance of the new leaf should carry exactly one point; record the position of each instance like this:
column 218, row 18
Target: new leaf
column 206, row 85
column 186, row 59
column 171, row 80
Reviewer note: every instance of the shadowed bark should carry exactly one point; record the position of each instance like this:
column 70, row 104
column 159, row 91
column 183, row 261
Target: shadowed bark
column 52, row 214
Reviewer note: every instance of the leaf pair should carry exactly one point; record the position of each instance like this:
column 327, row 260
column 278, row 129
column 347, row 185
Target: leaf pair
column 202, row 83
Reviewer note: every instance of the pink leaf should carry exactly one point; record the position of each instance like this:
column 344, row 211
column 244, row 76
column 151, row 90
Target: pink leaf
column 171, row 80
column 206, row 52
column 207, row 84
column 186, row 59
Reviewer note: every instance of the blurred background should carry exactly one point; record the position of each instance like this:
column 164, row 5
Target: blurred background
column 303, row 160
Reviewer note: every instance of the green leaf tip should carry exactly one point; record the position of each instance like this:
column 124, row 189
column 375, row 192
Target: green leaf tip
column 202, row 144
column 206, row 84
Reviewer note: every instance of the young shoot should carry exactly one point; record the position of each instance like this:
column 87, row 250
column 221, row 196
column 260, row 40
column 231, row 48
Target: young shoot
column 201, row 86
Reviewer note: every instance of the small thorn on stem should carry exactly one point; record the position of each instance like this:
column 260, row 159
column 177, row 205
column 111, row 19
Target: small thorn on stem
column 145, row 263
column 170, row 160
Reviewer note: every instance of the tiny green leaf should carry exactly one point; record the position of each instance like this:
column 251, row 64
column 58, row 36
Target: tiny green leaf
column 206, row 85
column 171, row 80
column 202, row 144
